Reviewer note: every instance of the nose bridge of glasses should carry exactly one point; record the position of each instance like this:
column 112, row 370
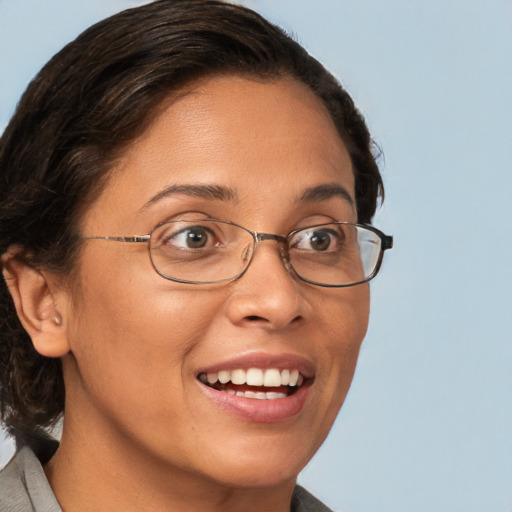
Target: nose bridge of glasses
column 260, row 237
column 281, row 241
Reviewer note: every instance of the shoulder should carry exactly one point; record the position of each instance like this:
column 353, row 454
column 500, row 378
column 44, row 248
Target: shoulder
column 24, row 485
column 303, row 501
column 13, row 483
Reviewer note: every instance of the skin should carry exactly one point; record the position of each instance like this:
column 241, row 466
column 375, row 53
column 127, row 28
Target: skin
column 139, row 432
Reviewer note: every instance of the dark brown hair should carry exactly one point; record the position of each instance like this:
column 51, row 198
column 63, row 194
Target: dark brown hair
column 92, row 99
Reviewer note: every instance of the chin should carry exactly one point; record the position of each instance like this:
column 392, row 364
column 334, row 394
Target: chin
column 262, row 467
column 258, row 477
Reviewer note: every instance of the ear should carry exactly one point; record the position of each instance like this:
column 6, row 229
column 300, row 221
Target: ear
column 35, row 294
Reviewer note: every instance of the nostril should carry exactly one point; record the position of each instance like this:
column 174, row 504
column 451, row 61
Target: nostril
column 255, row 318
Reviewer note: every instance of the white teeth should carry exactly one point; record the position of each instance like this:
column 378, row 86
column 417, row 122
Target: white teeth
column 224, row 376
column 273, row 396
column 270, row 378
column 238, row 377
column 254, row 377
column 257, row 395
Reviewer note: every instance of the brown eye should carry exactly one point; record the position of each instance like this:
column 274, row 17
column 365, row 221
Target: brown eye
column 191, row 237
column 320, row 241
column 196, row 238
column 317, row 240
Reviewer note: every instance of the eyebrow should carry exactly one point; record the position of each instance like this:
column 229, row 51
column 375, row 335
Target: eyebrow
column 211, row 192
column 222, row 193
column 324, row 192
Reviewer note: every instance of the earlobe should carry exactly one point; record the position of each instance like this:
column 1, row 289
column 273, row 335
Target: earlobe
column 35, row 298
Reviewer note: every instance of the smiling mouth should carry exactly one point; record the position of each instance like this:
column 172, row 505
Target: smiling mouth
column 256, row 383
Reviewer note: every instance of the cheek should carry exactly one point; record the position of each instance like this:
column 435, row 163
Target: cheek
column 341, row 324
column 347, row 317
column 126, row 300
column 130, row 334
column 347, row 320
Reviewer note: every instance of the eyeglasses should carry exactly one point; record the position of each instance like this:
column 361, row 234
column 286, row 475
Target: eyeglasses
column 208, row 251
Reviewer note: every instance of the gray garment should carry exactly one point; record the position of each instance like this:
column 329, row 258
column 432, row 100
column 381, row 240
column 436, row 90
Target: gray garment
column 302, row 501
column 24, row 488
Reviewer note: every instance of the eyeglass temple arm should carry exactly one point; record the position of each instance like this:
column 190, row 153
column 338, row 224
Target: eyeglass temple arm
column 139, row 238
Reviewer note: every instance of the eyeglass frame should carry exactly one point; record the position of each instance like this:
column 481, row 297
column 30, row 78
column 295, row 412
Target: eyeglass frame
column 258, row 237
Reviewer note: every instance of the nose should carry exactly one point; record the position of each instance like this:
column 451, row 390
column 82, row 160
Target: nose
column 268, row 295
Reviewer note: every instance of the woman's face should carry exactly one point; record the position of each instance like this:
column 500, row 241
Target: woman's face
column 140, row 345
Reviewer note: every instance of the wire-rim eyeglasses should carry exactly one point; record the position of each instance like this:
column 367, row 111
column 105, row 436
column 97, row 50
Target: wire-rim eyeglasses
column 210, row 251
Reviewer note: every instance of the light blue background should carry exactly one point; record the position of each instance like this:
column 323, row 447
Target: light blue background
column 427, row 425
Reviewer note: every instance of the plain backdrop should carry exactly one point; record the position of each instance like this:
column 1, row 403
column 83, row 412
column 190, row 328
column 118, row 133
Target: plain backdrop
column 427, row 426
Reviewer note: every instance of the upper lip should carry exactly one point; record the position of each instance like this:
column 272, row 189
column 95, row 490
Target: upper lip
column 264, row 361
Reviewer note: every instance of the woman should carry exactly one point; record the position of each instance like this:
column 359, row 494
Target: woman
column 183, row 210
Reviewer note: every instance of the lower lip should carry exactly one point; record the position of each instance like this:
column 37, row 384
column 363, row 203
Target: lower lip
column 260, row 411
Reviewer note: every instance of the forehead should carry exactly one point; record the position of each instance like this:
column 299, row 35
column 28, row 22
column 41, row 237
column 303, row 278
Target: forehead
column 258, row 138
